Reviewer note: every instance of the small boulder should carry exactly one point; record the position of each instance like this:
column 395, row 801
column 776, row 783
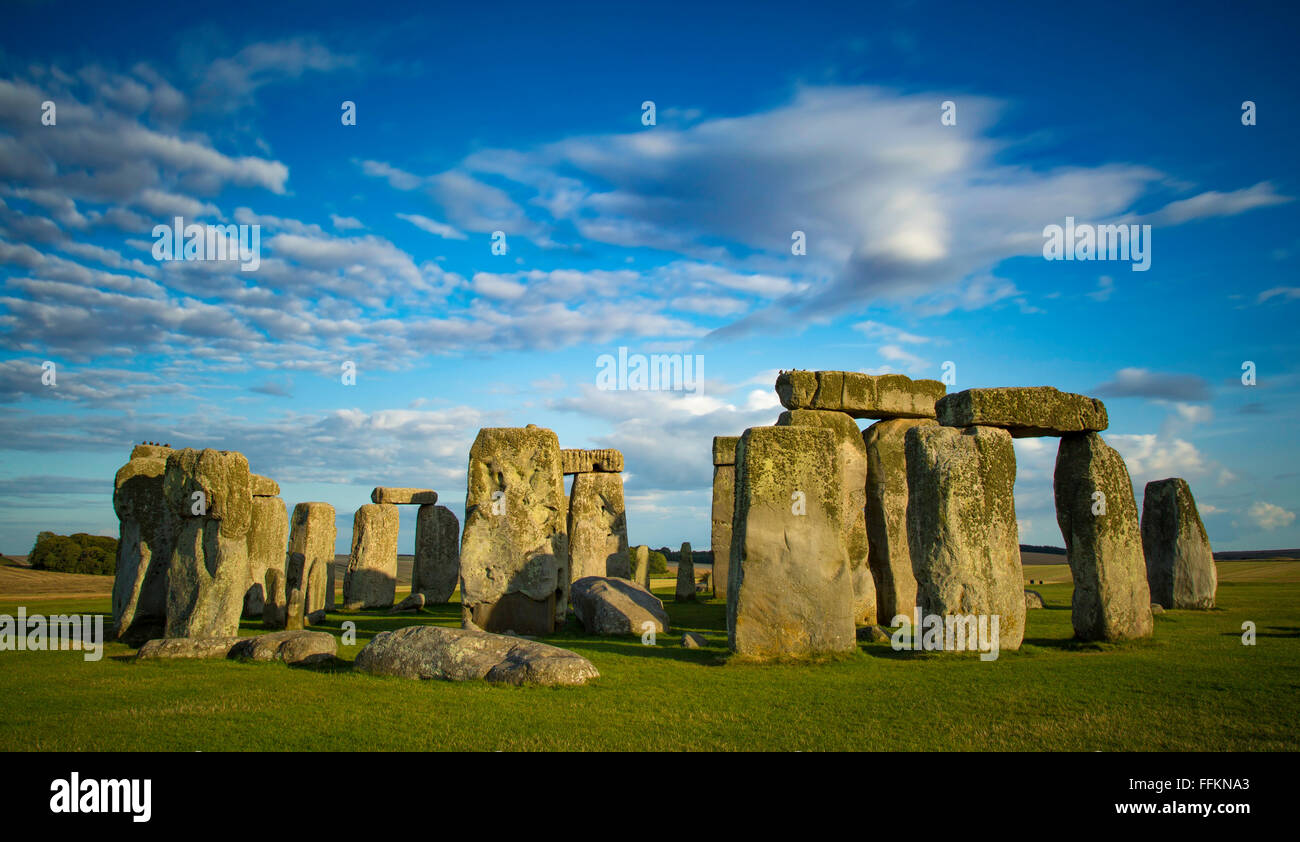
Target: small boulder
column 468, row 654
column 1157, row 608
column 291, row 647
column 186, row 647
column 691, row 640
column 1033, row 599
column 414, row 602
column 607, row 605
column 872, row 634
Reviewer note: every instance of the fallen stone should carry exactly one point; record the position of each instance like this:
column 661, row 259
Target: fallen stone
column 403, row 496
column 291, row 647
column 1033, row 599
column 691, row 640
column 859, row 395
column 790, row 592
column 597, row 528
column 312, row 532
column 515, row 549
column 685, row 575
column 371, row 577
column 1103, row 542
column 886, row 516
column 1180, row 564
column 146, row 537
column 591, row 461
column 263, row 486
column 187, row 647
column 873, row 634
column 961, row 525
column 414, row 602
column 1157, row 608
column 607, row 605
column 1023, row 411
column 465, row 655
column 208, row 491
column 437, row 554
column 853, row 464
column 268, row 535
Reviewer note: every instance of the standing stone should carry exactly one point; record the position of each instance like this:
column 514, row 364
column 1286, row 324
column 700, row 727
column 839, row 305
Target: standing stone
column 437, row 554
column 514, row 549
column 268, row 533
column 147, row 533
column 209, row 491
column 1103, row 541
column 641, row 565
column 853, row 462
column 1024, row 411
column 891, row 559
column 1179, row 561
column 294, row 614
column 597, row 527
column 313, row 533
column 686, row 575
column 790, row 593
column 371, row 577
column 275, row 610
column 961, row 525
column 724, row 502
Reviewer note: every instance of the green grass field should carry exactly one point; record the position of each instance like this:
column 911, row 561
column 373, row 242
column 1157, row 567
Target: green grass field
column 1193, row 686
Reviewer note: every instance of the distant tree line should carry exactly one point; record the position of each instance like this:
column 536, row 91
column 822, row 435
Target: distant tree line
column 79, row 553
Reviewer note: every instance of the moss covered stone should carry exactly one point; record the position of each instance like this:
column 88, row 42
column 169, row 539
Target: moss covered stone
column 268, row 536
column 961, row 525
column 371, row 577
column 437, row 554
column 597, row 527
column 1099, row 521
column 1024, row 411
column 724, row 450
column 1179, row 561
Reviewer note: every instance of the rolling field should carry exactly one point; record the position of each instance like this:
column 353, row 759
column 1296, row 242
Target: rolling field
column 1192, row 686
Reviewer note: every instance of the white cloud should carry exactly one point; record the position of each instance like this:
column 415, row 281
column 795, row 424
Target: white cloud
column 1269, row 517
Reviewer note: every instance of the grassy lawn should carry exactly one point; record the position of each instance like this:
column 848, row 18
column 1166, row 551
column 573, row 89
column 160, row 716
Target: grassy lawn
column 1193, row 686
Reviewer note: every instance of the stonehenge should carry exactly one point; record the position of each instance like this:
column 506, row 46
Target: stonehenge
column 436, row 570
column 312, row 533
column 641, row 565
column 147, row 534
column 859, row 395
column 685, row 575
column 609, row 605
column 591, row 461
column 724, row 500
column 888, row 551
column 267, row 533
column 1179, row 563
column 1023, row 411
column 596, row 519
column 790, row 592
column 514, row 549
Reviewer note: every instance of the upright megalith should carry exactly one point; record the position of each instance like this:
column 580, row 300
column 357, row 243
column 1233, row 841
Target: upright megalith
column 890, row 557
column 961, row 526
column 853, row 463
column 371, row 577
column 275, row 610
column 790, row 592
column 1179, row 561
column 724, row 502
column 1103, row 543
column 437, row 554
column 597, row 527
column 268, row 535
column 1024, row 411
column 146, row 537
column 514, row 549
column 209, row 492
column 859, row 395
column 685, row 575
column 313, row 533
column 641, row 565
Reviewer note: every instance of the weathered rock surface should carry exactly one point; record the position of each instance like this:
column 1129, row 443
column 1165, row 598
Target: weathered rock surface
column 641, row 565
column 853, row 464
column 1033, row 599
column 151, row 451
column 437, row 554
column 275, row 611
column 597, row 527
column 371, row 577
column 468, row 654
column 724, row 504
column 404, row 496
column 724, row 450
column 1103, row 541
column 515, row 549
column 961, row 525
column 292, row 647
column 263, row 486
column 147, row 534
column 859, row 395
column 575, row 461
column 873, row 634
column 268, row 535
column 1023, row 411
column 1179, row 562
column 790, row 592
column 209, row 492
column 608, row 605
column 685, row 575
column 187, row 647
column 889, row 555
column 414, row 602
column 312, row 532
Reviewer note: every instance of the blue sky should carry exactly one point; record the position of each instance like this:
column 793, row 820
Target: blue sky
column 924, row 240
